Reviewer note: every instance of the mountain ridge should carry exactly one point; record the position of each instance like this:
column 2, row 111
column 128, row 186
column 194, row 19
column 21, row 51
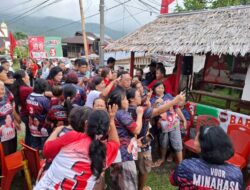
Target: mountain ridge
column 43, row 25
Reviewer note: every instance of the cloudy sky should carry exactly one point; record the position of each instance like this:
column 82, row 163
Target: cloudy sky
column 128, row 15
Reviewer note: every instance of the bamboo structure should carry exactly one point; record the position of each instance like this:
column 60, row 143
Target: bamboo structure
column 217, row 31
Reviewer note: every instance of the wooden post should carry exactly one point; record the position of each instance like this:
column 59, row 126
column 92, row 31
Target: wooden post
column 178, row 63
column 84, row 36
column 132, row 63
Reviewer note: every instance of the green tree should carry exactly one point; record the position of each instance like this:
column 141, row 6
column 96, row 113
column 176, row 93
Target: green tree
column 20, row 35
column 194, row 4
column 225, row 3
column 190, row 5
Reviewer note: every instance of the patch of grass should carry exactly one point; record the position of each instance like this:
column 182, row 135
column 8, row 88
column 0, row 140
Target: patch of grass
column 158, row 178
column 220, row 103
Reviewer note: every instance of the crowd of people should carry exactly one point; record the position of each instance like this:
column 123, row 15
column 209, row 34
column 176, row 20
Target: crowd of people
column 87, row 121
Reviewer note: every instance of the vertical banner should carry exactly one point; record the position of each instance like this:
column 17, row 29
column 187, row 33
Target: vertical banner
column 36, row 47
column 53, row 47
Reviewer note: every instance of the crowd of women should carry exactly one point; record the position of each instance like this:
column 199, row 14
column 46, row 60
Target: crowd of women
column 87, row 122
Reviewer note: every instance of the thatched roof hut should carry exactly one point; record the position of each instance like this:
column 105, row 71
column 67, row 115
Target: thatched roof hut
column 218, row 31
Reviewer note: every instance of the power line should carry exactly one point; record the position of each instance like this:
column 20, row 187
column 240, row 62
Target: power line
column 54, row 2
column 35, row 7
column 148, row 5
column 124, row 18
column 145, row 10
column 14, row 6
column 90, row 16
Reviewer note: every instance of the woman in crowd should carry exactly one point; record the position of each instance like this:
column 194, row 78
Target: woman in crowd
column 210, row 171
column 21, row 90
column 58, row 114
column 107, row 76
column 38, row 105
column 72, row 79
column 99, row 104
column 55, row 76
column 98, row 89
column 169, row 122
column 123, row 172
column 144, row 156
column 9, row 120
column 161, row 77
column 76, row 118
column 80, row 158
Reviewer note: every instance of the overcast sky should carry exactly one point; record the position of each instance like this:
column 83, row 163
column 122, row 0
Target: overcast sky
column 131, row 15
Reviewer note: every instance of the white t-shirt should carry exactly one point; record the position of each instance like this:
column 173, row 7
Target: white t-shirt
column 92, row 95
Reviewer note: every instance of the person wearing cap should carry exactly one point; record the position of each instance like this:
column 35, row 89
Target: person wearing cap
column 151, row 75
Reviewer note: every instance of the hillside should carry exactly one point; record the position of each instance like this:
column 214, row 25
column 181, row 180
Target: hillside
column 41, row 26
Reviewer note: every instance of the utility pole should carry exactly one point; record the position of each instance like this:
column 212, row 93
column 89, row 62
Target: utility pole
column 84, row 36
column 102, row 28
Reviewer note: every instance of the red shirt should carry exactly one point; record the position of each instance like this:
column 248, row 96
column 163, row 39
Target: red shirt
column 70, row 168
column 34, row 68
column 24, row 92
column 167, row 84
column 106, row 81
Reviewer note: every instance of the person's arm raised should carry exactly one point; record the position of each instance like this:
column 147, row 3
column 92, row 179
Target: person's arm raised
column 106, row 91
column 139, row 112
column 113, row 136
column 177, row 99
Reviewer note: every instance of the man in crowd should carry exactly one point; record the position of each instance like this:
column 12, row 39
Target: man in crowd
column 111, row 63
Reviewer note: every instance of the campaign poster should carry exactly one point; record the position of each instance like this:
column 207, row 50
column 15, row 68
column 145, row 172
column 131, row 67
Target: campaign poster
column 53, row 47
column 36, row 47
column 218, row 69
column 225, row 117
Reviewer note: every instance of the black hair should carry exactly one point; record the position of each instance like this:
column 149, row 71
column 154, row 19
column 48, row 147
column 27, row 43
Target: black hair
column 159, row 64
column 71, row 77
column 4, row 61
column 69, row 92
column 97, row 69
column 95, row 81
column 53, row 72
column 122, row 73
column 41, row 85
column 82, row 62
column 1, row 69
column 156, row 85
column 76, row 62
column 116, row 97
column 130, row 93
column 216, row 147
column 161, row 69
column 111, row 60
column 105, row 72
column 141, row 70
column 99, row 98
column 78, row 116
column 98, row 125
column 18, row 75
column 57, row 91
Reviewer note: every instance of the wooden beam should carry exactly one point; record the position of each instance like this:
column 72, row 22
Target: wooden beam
column 178, row 63
column 132, row 63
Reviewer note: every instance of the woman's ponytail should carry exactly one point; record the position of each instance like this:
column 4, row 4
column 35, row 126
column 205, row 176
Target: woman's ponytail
column 97, row 130
column 97, row 154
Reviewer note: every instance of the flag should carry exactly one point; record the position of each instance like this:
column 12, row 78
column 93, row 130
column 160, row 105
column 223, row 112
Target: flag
column 12, row 44
column 164, row 6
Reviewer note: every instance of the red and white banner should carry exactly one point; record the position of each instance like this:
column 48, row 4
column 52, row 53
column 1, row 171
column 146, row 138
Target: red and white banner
column 36, row 47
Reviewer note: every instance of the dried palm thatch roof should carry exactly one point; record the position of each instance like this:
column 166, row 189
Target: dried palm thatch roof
column 219, row 31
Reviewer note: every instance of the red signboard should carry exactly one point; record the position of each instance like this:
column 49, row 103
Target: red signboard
column 36, row 47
